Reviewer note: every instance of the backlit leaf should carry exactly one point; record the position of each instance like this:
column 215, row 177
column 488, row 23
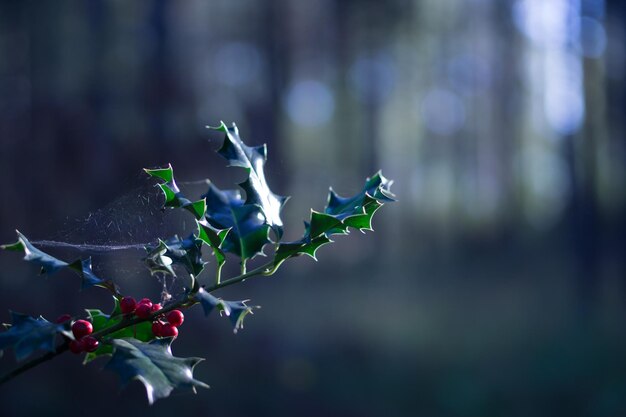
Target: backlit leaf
column 340, row 214
column 252, row 159
column 173, row 195
column 214, row 238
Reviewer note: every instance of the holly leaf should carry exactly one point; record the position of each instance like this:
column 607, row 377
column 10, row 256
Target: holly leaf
column 236, row 311
column 214, row 238
column 100, row 321
column 154, row 366
column 173, row 195
column 253, row 159
column 187, row 252
column 376, row 189
column 249, row 230
column 28, row 334
column 85, row 271
column 305, row 246
column 340, row 214
column 50, row 265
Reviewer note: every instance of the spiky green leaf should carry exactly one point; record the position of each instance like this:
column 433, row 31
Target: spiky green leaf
column 154, row 366
column 249, row 230
column 253, row 159
column 85, row 271
column 340, row 214
column 100, row 321
column 187, row 252
column 28, row 334
column 50, row 265
column 236, row 311
column 214, row 238
column 173, row 196
column 47, row 263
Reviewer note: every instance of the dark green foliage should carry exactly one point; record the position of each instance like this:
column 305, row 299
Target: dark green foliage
column 208, row 301
column 252, row 159
column 83, row 268
column 227, row 223
column 154, row 366
column 340, row 214
column 186, row 252
column 236, row 311
column 214, row 238
column 249, row 230
column 173, row 196
column 50, row 265
column 101, row 321
column 28, row 334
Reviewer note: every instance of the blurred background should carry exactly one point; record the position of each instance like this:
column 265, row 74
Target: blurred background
column 495, row 286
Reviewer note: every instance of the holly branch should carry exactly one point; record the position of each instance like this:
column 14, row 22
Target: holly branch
column 137, row 335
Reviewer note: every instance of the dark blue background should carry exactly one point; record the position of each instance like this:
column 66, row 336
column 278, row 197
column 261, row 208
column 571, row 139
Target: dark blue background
column 494, row 287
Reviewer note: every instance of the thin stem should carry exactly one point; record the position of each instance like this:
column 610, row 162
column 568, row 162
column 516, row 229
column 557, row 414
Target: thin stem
column 31, row 364
column 218, row 273
column 261, row 270
column 185, row 302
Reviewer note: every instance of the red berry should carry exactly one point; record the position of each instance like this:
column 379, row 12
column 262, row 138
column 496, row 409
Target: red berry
column 167, row 330
column 156, row 307
column 175, row 317
column 156, row 328
column 127, row 305
column 145, row 301
column 76, row 346
column 90, row 344
column 81, row 328
column 63, row 318
column 143, row 311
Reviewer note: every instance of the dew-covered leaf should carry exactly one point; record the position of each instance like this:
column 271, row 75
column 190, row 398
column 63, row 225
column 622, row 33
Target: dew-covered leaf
column 154, row 366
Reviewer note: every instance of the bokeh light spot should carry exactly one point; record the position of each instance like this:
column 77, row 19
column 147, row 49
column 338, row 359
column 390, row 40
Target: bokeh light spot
column 310, row 103
column 443, row 112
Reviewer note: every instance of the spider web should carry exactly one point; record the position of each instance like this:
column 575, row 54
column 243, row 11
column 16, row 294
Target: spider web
column 117, row 234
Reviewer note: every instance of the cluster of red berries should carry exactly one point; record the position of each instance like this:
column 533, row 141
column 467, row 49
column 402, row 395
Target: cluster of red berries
column 164, row 325
column 83, row 342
